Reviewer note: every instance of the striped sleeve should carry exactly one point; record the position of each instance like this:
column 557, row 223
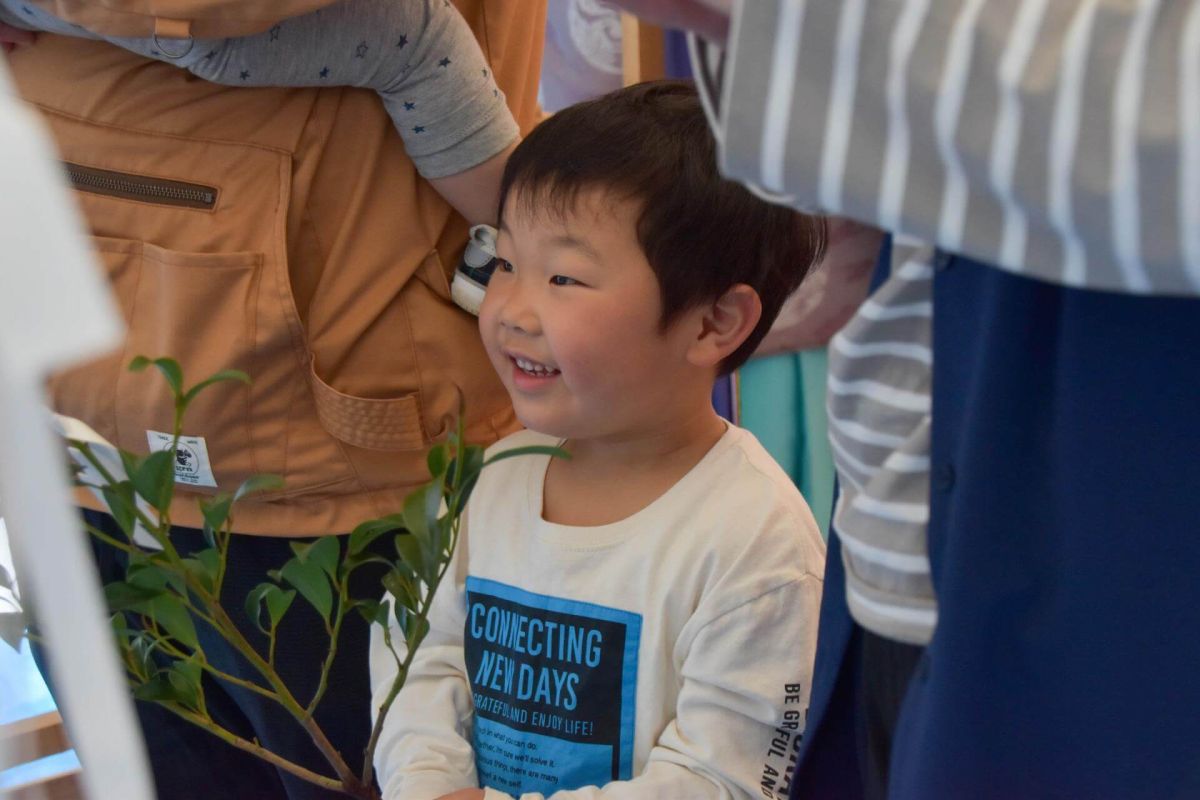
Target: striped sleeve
column 1059, row 140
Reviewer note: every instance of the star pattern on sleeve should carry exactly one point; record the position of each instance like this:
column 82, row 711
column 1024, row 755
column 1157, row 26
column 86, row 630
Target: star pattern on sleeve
column 445, row 62
column 409, row 106
column 209, row 55
column 361, row 50
column 419, row 129
column 324, row 73
column 402, row 41
column 273, row 34
column 245, row 74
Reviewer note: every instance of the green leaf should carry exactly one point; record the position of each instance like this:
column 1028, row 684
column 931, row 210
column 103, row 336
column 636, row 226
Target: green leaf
column 415, row 632
column 278, row 602
column 416, row 513
column 257, row 483
column 323, row 552
column 368, row 609
column 216, row 377
column 351, row 563
column 121, row 596
column 12, row 629
column 362, row 536
column 184, row 677
column 154, row 571
column 157, row 690
column 468, row 472
column 143, row 646
column 438, row 460
column 120, row 502
column 422, row 510
column 402, row 587
column 215, row 512
column 412, row 554
column 129, row 461
column 173, row 617
column 312, row 583
column 169, row 368
column 253, row 604
column 533, row 449
column 211, row 559
column 154, row 478
column 204, row 566
column 459, row 501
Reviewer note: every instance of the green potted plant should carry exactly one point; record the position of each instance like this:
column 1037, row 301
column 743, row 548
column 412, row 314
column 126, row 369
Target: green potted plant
column 164, row 595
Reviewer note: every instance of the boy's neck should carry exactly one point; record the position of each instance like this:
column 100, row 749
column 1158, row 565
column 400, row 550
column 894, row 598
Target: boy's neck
column 609, row 479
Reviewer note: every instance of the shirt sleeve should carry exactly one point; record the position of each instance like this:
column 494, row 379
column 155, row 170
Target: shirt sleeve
column 445, row 101
column 740, row 712
column 1055, row 140
column 424, row 749
column 419, row 55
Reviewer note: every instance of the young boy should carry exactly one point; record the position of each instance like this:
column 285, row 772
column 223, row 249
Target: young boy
column 638, row 621
column 419, row 55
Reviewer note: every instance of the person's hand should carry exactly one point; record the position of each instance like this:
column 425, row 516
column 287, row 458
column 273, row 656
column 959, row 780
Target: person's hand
column 831, row 293
column 10, row 37
column 464, row 794
column 709, row 19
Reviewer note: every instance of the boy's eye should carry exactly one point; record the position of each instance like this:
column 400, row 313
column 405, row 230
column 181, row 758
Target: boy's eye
column 503, row 265
column 562, row 280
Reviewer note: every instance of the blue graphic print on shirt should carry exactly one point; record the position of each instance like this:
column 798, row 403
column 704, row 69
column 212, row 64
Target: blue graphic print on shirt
column 554, row 683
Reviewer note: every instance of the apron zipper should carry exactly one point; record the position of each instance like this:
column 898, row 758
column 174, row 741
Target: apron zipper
column 138, row 187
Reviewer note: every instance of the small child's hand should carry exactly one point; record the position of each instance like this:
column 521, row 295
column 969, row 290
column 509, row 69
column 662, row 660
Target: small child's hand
column 464, row 794
column 10, row 37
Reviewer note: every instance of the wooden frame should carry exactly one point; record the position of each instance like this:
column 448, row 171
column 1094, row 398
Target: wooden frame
column 643, row 51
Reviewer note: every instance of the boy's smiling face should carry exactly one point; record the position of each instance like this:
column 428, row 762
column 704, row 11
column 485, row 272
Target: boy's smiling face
column 571, row 323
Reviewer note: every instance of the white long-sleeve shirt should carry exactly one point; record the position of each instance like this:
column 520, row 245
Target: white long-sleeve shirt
column 667, row 655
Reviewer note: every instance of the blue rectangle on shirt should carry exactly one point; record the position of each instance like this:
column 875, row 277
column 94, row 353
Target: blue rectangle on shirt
column 554, row 683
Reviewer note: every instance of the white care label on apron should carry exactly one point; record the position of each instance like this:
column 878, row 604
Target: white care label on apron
column 191, row 458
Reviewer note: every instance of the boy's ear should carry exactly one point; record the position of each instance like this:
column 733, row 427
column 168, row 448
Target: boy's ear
column 724, row 325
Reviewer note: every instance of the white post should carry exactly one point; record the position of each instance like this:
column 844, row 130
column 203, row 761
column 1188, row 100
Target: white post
column 56, row 309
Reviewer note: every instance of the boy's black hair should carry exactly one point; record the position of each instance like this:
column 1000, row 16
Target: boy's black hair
column 701, row 233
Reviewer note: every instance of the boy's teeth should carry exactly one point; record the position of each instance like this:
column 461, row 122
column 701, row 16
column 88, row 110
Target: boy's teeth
column 533, row 367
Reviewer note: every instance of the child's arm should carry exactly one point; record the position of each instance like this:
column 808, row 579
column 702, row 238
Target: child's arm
column 419, row 55
column 476, row 193
column 740, row 715
column 424, row 751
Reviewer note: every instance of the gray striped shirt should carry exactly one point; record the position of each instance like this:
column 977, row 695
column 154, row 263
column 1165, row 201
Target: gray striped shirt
column 1056, row 139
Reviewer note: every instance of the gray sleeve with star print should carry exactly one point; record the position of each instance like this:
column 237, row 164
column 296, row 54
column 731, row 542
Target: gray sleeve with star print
column 419, row 55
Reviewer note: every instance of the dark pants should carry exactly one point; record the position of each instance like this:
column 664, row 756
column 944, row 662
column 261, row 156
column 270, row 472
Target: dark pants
column 189, row 762
column 887, row 667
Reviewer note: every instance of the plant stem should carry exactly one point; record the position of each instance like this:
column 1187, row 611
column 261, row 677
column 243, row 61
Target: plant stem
column 323, row 684
column 110, row 541
column 284, row 696
column 368, row 770
column 222, row 540
column 282, row 763
column 172, row 650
